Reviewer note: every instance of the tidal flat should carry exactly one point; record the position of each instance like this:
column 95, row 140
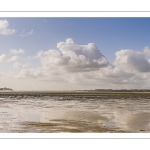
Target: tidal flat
column 75, row 112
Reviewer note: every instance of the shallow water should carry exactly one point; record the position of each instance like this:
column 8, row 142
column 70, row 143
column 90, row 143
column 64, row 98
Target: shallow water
column 70, row 114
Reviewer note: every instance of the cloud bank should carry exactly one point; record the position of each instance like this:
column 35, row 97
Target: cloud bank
column 86, row 66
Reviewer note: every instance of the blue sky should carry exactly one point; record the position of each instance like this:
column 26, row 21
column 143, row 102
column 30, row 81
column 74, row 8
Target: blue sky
column 110, row 35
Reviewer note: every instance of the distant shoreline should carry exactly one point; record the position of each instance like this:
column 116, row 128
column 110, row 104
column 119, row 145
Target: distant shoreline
column 90, row 94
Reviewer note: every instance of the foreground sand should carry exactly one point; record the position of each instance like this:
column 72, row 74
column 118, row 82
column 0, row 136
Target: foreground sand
column 53, row 112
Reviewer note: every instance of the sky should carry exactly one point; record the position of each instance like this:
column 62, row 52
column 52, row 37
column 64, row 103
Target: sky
column 74, row 53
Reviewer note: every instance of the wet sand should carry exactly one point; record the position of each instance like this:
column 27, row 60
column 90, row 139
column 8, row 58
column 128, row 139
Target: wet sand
column 54, row 112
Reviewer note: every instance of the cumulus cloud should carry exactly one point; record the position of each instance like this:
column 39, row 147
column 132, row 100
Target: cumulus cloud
column 74, row 57
column 146, row 51
column 4, row 30
column 16, row 52
column 25, row 33
column 132, row 61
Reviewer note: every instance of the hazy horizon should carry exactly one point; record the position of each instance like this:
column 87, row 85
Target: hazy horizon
column 53, row 54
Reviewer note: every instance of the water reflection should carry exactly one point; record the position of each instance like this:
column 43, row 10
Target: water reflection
column 60, row 114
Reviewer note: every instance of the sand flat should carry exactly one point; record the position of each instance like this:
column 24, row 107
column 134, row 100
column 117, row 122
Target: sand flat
column 51, row 112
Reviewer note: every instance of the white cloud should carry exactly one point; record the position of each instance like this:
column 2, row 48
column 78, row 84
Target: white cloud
column 13, row 58
column 18, row 65
column 4, row 30
column 73, row 57
column 25, row 33
column 146, row 51
column 85, row 66
column 111, row 72
column 30, row 73
column 3, row 58
column 15, row 52
column 132, row 61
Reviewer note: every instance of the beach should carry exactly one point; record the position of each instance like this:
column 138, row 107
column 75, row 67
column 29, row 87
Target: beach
column 74, row 112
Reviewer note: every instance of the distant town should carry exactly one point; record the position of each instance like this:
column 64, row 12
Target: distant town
column 5, row 89
column 123, row 90
column 115, row 90
column 92, row 90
